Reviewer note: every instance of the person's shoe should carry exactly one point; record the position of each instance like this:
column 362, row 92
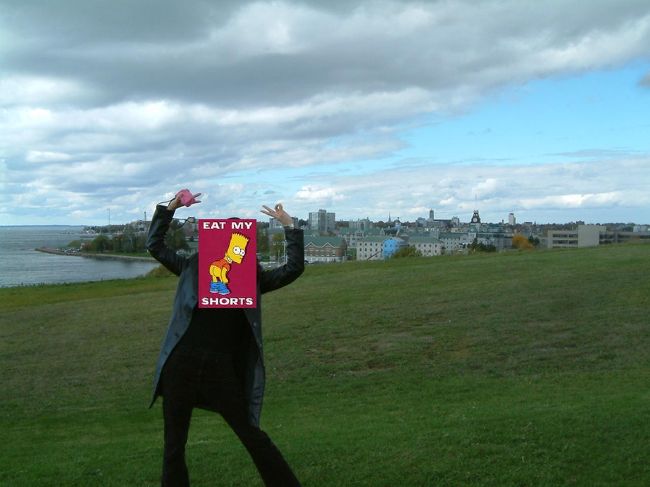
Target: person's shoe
column 223, row 289
column 214, row 288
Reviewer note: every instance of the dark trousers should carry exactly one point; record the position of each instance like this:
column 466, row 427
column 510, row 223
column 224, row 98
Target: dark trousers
column 209, row 381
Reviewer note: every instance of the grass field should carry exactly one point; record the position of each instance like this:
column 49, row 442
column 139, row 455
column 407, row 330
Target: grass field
column 516, row 369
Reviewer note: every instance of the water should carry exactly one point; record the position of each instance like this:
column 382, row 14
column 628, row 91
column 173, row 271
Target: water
column 20, row 264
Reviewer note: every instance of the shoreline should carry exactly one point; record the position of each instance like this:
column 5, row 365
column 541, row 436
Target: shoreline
column 49, row 250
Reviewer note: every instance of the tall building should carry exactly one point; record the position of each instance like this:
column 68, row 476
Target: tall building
column 511, row 219
column 322, row 221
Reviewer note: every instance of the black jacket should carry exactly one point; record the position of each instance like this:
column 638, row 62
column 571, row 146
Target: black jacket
column 186, row 300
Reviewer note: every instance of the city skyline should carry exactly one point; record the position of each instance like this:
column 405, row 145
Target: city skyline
column 365, row 108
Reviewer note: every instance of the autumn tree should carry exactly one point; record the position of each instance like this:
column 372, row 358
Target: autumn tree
column 520, row 242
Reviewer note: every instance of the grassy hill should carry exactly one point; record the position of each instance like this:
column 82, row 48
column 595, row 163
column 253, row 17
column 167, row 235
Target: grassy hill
column 517, row 369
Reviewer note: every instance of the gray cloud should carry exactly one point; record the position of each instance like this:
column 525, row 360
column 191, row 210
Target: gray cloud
column 243, row 54
column 96, row 97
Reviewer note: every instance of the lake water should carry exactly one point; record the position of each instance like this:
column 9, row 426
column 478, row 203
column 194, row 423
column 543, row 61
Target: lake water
column 21, row 264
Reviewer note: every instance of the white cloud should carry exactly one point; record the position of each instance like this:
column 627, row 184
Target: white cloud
column 450, row 190
column 319, row 195
column 45, row 156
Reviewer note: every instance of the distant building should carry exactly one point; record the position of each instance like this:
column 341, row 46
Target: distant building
column 427, row 246
column 370, row 248
column 322, row 221
column 583, row 236
column 392, row 245
column 363, row 225
column 455, row 241
column 511, row 219
column 276, row 224
column 324, row 249
column 619, row 236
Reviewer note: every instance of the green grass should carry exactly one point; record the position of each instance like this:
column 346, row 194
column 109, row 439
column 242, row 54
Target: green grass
column 517, row 369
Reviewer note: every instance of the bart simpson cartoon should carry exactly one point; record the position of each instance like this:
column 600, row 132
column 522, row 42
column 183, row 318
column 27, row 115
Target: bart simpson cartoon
column 219, row 268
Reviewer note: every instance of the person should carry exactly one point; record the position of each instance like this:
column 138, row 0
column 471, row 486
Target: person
column 213, row 358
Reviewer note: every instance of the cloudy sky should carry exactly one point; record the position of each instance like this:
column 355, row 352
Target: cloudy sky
column 364, row 108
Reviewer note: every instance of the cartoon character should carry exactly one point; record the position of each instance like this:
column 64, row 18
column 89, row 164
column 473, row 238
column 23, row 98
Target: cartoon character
column 219, row 268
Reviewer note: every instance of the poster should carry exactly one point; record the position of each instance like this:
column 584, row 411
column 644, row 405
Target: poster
column 227, row 263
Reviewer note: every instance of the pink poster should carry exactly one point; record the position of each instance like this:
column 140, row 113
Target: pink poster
column 227, row 263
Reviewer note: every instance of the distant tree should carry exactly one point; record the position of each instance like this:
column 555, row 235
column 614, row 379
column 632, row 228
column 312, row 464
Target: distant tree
column 129, row 240
column 520, row 242
column 534, row 241
column 277, row 245
column 101, row 243
column 408, row 251
column 175, row 237
column 141, row 243
column 262, row 240
column 477, row 246
column 118, row 243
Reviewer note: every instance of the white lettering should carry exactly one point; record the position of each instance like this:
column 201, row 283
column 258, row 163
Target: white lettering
column 213, row 225
column 227, row 301
column 241, row 225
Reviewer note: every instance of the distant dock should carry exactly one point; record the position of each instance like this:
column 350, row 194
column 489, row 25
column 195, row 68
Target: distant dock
column 49, row 250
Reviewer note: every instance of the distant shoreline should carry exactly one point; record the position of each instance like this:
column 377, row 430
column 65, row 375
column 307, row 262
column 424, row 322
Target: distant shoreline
column 49, row 250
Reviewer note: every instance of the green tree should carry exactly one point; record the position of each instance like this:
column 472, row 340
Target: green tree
column 277, row 246
column 534, row 241
column 129, row 240
column 175, row 237
column 101, row 243
column 477, row 246
column 262, row 240
column 408, row 251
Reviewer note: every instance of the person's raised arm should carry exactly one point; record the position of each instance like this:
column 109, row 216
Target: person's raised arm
column 160, row 222
column 295, row 265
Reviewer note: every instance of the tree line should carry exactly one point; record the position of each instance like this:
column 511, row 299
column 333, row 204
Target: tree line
column 130, row 241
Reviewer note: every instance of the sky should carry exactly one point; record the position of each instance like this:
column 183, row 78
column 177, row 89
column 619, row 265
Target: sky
column 363, row 108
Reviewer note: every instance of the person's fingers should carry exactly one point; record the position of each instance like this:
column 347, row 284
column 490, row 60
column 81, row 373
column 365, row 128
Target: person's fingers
column 278, row 207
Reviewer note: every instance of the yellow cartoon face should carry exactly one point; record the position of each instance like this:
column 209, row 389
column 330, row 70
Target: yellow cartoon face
column 237, row 247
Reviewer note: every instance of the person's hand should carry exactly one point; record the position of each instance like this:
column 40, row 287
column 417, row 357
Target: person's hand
column 187, row 198
column 174, row 204
column 278, row 213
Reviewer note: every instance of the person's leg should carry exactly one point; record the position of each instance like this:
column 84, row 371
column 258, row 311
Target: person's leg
column 230, row 402
column 271, row 465
column 178, row 391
